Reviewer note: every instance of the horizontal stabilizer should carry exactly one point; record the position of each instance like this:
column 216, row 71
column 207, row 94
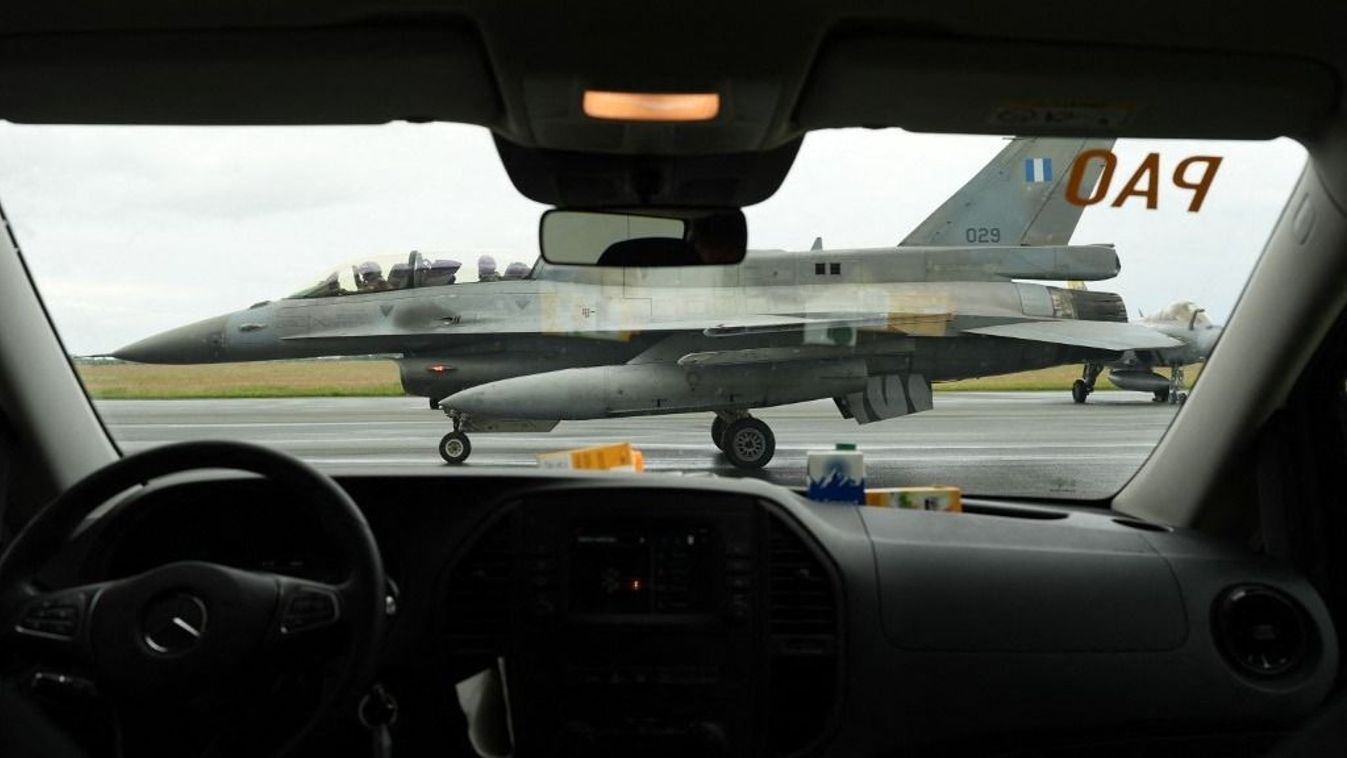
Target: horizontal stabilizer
column 1101, row 335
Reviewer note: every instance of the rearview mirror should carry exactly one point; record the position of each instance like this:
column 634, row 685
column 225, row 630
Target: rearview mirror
column 643, row 237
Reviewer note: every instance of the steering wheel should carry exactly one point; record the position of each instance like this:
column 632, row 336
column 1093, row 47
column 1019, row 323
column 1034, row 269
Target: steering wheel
column 174, row 645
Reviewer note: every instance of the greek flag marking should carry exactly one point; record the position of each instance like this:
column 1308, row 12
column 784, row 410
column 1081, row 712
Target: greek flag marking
column 1038, row 170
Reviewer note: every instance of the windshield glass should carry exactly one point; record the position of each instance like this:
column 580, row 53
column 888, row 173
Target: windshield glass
column 1012, row 316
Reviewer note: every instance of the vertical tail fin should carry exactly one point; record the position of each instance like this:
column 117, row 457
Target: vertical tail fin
column 1017, row 199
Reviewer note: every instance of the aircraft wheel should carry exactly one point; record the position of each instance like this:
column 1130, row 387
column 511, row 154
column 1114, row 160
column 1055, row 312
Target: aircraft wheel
column 455, row 447
column 748, row 443
column 718, row 432
column 1079, row 391
column 1161, row 395
column 1181, row 398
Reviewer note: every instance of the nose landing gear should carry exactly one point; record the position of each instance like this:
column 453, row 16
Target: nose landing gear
column 455, row 447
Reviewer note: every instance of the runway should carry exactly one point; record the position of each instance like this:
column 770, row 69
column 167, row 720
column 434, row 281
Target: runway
column 991, row 443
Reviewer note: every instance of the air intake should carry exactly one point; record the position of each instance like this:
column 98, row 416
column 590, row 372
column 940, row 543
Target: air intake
column 1261, row 631
column 479, row 594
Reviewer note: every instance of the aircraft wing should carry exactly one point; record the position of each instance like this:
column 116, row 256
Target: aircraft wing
column 1102, row 335
column 711, row 327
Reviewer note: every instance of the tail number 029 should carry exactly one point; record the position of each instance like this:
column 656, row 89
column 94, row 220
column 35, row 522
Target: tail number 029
column 1194, row 173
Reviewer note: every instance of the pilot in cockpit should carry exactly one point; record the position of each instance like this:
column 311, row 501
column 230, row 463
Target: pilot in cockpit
column 369, row 278
column 486, row 269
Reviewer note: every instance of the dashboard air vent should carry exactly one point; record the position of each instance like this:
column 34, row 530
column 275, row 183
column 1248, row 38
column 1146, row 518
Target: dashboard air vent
column 800, row 590
column 804, row 639
column 479, row 594
column 1262, row 631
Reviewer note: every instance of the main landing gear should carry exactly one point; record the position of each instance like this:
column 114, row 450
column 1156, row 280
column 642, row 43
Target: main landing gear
column 1174, row 392
column 747, row 442
column 455, row 447
column 1082, row 387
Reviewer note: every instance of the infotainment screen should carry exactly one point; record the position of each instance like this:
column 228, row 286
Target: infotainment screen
column 642, row 567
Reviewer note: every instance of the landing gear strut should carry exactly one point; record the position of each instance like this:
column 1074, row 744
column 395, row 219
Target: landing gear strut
column 746, row 441
column 1084, row 386
column 455, row 447
column 1175, row 393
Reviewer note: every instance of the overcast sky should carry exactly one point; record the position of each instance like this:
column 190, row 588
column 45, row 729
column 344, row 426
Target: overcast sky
column 133, row 230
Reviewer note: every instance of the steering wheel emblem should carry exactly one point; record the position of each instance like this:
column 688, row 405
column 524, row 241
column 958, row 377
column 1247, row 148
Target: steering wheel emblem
column 173, row 625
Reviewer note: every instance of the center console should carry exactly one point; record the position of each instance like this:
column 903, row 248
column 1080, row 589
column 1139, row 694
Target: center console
column 646, row 622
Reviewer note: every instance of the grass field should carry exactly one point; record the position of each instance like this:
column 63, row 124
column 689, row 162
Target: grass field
column 268, row 379
column 379, row 378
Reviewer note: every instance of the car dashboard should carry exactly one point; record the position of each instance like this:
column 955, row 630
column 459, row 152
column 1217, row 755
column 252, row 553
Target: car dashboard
column 663, row 615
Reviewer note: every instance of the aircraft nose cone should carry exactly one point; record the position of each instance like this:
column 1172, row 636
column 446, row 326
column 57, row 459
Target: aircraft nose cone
column 201, row 342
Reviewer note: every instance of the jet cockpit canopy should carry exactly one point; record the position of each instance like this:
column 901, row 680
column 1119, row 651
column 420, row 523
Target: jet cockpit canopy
column 383, row 273
column 1183, row 312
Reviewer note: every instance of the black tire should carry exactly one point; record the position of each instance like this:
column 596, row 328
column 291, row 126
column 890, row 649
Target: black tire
column 749, row 443
column 455, row 447
column 718, row 432
column 1079, row 391
column 1162, row 395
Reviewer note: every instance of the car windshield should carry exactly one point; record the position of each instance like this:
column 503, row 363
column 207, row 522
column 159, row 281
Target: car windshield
column 1017, row 317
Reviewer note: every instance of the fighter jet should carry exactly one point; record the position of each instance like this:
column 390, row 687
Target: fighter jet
column 869, row 328
column 1136, row 369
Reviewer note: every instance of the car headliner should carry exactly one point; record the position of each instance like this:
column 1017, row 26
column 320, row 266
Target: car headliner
column 519, row 68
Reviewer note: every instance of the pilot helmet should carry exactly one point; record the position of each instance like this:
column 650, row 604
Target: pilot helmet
column 368, row 270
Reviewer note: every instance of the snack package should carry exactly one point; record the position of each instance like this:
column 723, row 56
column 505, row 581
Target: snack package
column 932, row 498
column 617, row 457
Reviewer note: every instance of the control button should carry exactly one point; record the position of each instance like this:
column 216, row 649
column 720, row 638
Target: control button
column 740, row 609
column 543, row 607
column 740, row 582
column 57, row 684
column 309, row 609
column 52, row 617
column 739, row 566
column 738, row 549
